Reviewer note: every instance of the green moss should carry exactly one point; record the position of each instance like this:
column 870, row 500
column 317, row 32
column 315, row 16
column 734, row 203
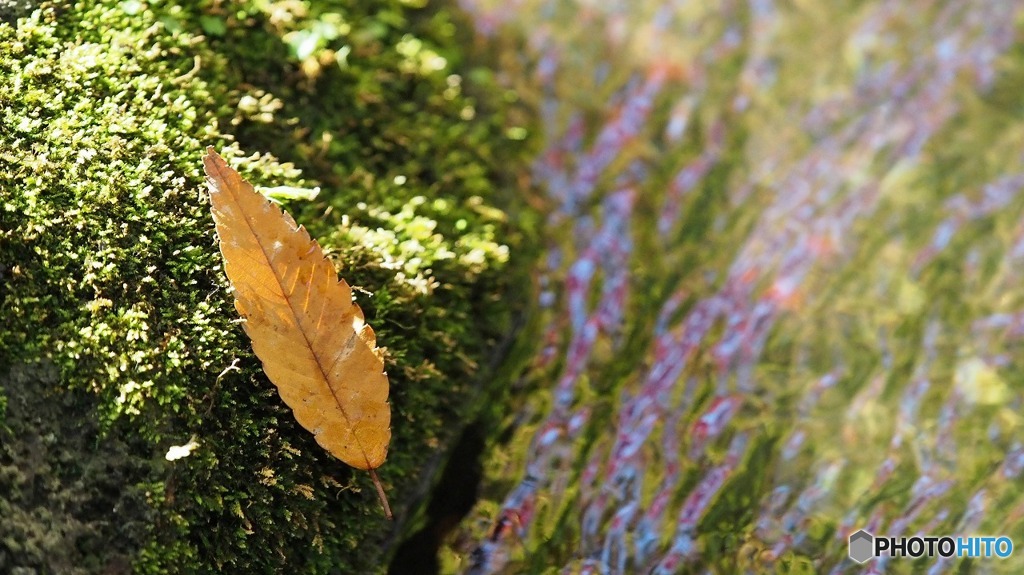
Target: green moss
column 111, row 272
column 50, row 511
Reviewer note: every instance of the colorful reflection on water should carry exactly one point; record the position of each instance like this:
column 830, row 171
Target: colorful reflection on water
column 782, row 287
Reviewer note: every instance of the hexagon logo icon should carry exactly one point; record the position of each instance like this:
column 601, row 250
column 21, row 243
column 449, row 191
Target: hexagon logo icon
column 861, row 546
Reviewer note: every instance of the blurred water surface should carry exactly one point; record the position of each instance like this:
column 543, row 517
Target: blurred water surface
column 781, row 295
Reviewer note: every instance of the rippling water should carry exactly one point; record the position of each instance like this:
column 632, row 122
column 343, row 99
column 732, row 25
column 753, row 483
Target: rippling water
column 782, row 291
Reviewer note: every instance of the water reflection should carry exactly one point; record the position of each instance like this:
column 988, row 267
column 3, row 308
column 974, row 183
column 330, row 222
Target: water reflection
column 781, row 287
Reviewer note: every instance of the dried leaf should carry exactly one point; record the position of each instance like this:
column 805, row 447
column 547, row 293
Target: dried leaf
column 312, row 340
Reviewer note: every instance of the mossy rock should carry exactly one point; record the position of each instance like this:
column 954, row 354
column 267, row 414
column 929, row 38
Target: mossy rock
column 120, row 339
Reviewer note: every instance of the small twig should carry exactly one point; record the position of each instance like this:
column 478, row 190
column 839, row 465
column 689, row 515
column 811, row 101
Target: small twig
column 380, row 493
column 196, row 64
column 216, row 383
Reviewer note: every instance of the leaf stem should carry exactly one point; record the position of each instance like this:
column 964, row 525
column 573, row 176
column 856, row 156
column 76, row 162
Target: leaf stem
column 380, row 493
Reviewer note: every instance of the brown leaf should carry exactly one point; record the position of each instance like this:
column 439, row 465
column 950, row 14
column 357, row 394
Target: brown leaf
column 312, row 340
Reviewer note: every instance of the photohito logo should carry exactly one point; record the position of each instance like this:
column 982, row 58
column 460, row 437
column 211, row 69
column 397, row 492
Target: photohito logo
column 864, row 546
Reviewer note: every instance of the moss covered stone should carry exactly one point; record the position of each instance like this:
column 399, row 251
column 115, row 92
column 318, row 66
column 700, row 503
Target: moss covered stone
column 119, row 337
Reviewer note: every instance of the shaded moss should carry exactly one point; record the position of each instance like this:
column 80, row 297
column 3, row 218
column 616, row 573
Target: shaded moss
column 112, row 275
column 61, row 479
